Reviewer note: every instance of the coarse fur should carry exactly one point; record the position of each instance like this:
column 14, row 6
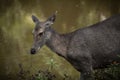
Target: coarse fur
column 89, row 48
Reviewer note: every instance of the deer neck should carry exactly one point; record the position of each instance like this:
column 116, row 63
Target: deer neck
column 57, row 43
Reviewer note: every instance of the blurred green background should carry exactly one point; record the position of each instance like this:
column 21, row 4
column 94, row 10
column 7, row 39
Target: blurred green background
column 16, row 31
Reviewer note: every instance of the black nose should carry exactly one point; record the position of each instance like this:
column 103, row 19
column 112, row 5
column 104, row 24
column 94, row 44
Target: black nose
column 33, row 51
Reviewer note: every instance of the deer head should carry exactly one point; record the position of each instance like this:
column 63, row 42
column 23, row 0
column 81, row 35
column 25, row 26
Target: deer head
column 41, row 32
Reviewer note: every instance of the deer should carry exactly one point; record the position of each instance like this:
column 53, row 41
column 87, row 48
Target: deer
column 86, row 49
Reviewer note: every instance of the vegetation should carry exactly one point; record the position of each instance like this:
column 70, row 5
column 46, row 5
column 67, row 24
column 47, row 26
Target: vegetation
column 47, row 74
column 111, row 73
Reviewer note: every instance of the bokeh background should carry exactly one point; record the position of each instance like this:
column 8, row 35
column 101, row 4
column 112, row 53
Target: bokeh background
column 16, row 31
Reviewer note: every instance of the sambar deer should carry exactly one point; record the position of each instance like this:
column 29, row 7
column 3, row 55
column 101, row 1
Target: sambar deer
column 89, row 48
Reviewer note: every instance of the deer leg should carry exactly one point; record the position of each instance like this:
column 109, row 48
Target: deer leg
column 86, row 76
column 87, row 72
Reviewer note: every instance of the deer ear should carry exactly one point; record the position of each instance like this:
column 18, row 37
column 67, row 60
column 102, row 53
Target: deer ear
column 35, row 19
column 52, row 18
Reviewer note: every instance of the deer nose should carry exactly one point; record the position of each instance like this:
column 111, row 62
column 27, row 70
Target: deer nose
column 33, row 51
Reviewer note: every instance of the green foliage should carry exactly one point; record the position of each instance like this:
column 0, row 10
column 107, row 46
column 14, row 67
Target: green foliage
column 27, row 75
column 47, row 74
column 67, row 77
column 44, row 75
column 111, row 73
column 52, row 64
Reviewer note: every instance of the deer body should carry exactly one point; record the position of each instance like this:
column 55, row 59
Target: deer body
column 86, row 49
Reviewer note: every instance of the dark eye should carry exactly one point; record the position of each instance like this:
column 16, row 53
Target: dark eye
column 40, row 34
column 47, row 24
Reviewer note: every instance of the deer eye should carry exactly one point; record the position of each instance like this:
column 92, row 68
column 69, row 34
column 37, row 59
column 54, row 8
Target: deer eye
column 47, row 24
column 40, row 34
